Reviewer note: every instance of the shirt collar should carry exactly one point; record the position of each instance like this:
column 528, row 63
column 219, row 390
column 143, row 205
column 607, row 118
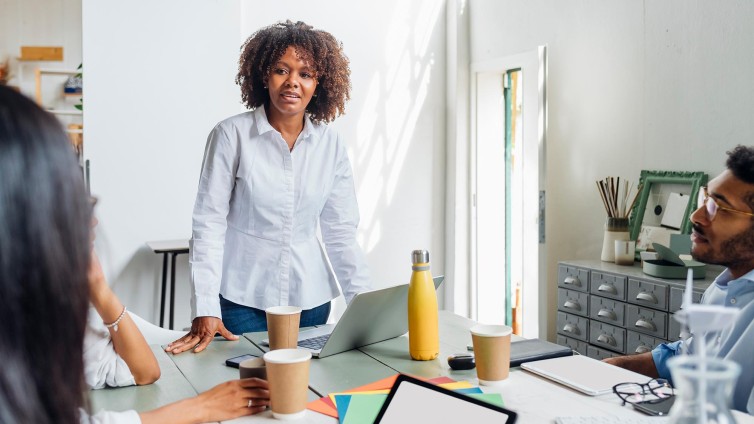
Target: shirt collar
column 725, row 277
column 263, row 125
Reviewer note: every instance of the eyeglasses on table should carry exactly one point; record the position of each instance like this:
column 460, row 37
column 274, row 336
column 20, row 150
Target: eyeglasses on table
column 654, row 390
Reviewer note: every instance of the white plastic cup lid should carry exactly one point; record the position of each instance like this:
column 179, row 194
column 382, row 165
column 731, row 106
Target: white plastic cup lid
column 287, row 356
column 485, row 330
column 283, row 310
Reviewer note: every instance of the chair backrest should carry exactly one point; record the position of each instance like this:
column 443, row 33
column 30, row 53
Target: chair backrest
column 153, row 333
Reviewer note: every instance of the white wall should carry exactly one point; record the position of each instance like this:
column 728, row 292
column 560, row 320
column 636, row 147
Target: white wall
column 631, row 85
column 159, row 75
column 156, row 88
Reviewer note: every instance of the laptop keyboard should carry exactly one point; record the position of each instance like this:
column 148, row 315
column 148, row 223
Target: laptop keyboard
column 314, row 343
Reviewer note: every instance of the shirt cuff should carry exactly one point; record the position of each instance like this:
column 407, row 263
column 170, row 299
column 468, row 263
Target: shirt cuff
column 207, row 306
column 661, row 354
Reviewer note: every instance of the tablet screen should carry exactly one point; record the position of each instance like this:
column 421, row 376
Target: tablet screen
column 412, row 400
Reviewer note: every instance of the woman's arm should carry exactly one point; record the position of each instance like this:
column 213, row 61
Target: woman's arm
column 128, row 341
column 222, row 402
column 339, row 220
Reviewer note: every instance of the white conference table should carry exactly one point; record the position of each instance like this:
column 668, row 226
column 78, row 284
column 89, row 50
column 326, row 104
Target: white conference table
column 535, row 399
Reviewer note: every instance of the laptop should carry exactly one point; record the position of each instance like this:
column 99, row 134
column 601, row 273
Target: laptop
column 371, row 317
column 587, row 375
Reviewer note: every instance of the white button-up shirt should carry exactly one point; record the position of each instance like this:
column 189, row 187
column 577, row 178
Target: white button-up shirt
column 255, row 219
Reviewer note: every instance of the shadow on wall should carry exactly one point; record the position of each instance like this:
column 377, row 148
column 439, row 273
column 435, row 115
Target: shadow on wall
column 394, row 102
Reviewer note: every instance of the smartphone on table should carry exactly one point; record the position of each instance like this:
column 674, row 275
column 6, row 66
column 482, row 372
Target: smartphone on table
column 236, row 360
column 655, row 407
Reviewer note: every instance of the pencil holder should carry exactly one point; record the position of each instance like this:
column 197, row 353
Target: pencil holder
column 615, row 229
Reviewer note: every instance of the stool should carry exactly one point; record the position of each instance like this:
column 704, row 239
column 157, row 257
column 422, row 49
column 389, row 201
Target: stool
column 168, row 247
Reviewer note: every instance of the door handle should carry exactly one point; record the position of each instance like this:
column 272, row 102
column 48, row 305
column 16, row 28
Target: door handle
column 570, row 328
column 604, row 338
column 606, row 313
column 608, row 288
column 647, row 297
column 649, row 325
column 572, row 281
column 572, row 305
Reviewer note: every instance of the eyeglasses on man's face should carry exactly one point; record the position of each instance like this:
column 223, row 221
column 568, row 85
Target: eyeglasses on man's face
column 712, row 207
column 654, row 390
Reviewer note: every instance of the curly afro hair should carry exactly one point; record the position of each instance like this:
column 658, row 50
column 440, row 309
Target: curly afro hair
column 741, row 163
column 316, row 47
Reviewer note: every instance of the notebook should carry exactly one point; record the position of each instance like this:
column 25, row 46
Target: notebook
column 371, row 317
column 584, row 374
column 415, row 401
column 536, row 350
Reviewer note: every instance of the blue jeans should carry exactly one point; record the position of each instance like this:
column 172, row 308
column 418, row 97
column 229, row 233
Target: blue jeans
column 239, row 319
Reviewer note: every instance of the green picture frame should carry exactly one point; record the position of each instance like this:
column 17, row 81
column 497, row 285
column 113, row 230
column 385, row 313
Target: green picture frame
column 652, row 182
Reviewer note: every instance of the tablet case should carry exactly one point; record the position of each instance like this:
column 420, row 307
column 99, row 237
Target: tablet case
column 419, row 410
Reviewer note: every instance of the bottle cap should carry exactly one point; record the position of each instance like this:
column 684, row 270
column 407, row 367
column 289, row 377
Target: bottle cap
column 420, row 257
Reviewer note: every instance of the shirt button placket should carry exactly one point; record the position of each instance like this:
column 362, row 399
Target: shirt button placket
column 287, row 221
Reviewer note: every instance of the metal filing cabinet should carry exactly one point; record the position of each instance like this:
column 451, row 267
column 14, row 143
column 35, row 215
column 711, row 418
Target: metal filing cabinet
column 609, row 310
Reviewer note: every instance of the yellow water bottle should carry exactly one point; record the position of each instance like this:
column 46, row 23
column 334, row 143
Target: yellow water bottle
column 423, row 332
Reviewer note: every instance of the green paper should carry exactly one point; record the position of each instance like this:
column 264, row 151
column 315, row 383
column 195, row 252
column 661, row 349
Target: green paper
column 491, row 398
column 363, row 408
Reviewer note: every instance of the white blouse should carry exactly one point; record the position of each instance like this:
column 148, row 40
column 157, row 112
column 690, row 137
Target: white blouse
column 102, row 366
column 256, row 216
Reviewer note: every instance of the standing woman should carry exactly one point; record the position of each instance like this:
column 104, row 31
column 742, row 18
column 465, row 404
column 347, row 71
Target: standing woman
column 270, row 176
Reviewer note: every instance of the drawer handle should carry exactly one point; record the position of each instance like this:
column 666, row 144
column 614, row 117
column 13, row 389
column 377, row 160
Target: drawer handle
column 570, row 328
column 603, row 338
column 572, row 305
column 606, row 313
column 609, row 288
column 647, row 297
column 642, row 349
column 649, row 325
column 572, row 281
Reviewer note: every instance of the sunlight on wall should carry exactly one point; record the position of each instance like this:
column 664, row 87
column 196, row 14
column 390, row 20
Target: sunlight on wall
column 393, row 103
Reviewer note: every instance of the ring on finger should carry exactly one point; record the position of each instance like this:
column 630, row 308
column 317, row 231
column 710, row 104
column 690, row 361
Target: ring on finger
column 248, row 405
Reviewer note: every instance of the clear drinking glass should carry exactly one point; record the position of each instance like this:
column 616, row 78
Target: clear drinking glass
column 704, row 389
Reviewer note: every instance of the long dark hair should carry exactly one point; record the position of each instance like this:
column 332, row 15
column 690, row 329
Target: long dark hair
column 44, row 257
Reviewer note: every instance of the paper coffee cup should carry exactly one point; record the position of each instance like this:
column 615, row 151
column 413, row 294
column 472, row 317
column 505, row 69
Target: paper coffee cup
column 492, row 353
column 253, row 367
column 282, row 326
column 288, row 376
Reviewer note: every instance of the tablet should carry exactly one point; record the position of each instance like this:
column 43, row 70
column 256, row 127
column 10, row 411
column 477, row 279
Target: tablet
column 413, row 400
column 587, row 375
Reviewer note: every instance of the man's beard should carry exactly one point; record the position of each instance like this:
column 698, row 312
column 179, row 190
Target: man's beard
column 737, row 249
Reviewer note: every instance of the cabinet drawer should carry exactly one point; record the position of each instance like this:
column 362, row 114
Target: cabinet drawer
column 600, row 354
column 640, row 343
column 607, row 336
column 576, row 345
column 573, row 326
column 573, row 302
column 607, row 310
column 676, row 299
column 647, row 321
column 573, row 278
column 674, row 329
column 608, row 285
column 648, row 294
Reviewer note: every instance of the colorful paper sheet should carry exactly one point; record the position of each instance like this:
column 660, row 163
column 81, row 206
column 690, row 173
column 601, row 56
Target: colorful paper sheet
column 326, row 406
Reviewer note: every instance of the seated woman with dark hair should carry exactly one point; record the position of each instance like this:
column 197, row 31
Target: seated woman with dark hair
column 45, row 262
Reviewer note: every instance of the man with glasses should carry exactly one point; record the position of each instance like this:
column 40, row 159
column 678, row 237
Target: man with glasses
column 723, row 234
